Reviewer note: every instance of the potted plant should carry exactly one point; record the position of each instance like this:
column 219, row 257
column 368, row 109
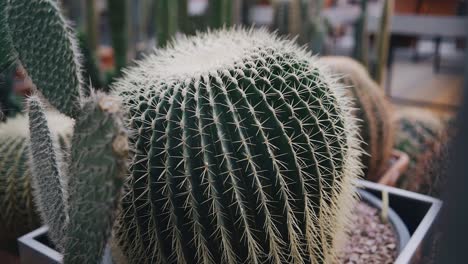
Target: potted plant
column 246, row 156
column 412, row 216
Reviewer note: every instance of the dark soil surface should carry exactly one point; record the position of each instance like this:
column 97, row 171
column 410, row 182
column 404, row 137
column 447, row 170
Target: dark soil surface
column 370, row 240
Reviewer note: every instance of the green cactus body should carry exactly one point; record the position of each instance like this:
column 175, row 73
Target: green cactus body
column 220, row 13
column 92, row 75
column 383, row 41
column 47, row 49
column 18, row 215
column 361, row 37
column 166, row 21
column 372, row 108
column 8, row 54
column 78, row 200
column 418, row 133
column 246, row 156
column 118, row 23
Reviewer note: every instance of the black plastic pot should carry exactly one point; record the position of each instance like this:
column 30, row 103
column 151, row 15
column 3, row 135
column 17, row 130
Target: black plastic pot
column 412, row 215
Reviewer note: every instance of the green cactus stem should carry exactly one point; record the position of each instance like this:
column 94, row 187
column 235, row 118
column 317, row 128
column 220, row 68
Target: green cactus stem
column 361, row 37
column 47, row 49
column 119, row 30
column 19, row 215
column 383, row 41
column 92, row 24
column 8, row 55
column 246, row 156
column 377, row 127
column 78, row 200
column 166, row 21
column 91, row 73
column 220, row 13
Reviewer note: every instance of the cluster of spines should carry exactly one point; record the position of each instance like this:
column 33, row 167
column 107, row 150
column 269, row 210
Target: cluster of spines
column 372, row 108
column 223, row 157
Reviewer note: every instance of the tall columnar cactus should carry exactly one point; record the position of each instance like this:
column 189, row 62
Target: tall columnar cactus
column 78, row 200
column 220, row 13
column 418, row 132
column 383, row 41
column 18, row 215
column 377, row 127
column 92, row 24
column 361, row 36
column 166, row 21
column 246, row 156
column 119, row 28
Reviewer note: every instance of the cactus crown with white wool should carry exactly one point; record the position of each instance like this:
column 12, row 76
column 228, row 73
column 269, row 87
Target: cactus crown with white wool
column 245, row 151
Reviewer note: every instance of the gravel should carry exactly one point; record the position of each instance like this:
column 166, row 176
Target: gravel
column 370, row 240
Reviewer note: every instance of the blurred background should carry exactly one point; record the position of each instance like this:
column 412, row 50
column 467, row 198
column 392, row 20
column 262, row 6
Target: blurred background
column 413, row 48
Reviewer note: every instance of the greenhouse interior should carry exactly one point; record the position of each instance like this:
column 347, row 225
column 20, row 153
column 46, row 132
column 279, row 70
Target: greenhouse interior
column 233, row 131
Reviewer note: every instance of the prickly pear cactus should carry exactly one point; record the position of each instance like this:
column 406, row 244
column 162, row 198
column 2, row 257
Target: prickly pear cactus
column 377, row 127
column 45, row 45
column 18, row 215
column 419, row 133
column 244, row 152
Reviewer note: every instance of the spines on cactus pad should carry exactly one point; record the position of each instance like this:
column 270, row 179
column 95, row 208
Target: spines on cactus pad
column 47, row 49
column 377, row 126
column 48, row 172
column 19, row 214
column 245, row 151
column 89, row 187
column 96, row 174
column 8, row 55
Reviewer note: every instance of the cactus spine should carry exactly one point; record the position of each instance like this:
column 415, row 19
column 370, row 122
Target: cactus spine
column 372, row 108
column 18, row 215
column 246, row 156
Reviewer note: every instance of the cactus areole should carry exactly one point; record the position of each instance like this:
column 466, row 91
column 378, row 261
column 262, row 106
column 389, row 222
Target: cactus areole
column 244, row 151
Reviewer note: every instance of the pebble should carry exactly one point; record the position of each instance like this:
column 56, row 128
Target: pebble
column 369, row 240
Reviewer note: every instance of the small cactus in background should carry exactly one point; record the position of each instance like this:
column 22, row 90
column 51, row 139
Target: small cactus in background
column 371, row 106
column 18, row 215
column 244, row 156
column 419, row 134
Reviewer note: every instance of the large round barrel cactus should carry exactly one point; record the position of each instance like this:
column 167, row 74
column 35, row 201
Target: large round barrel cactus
column 244, row 152
column 18, row 214
column 377, row 127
